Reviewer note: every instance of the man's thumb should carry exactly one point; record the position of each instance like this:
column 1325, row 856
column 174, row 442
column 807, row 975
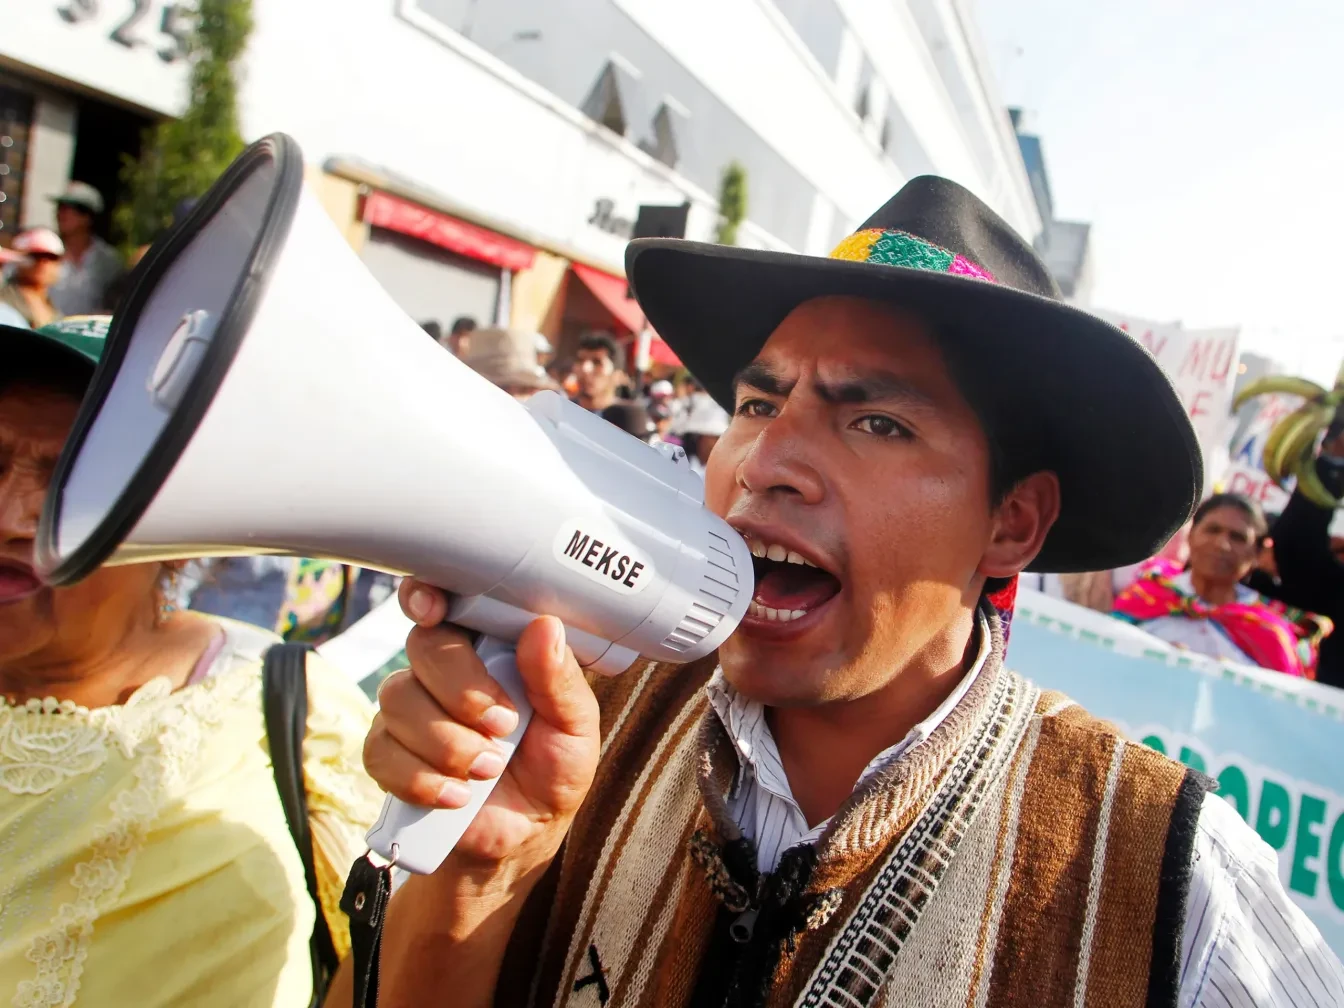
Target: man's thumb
column 555, row 684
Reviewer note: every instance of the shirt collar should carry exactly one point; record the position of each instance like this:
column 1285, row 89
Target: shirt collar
column 1185, row 583
column 744, row 721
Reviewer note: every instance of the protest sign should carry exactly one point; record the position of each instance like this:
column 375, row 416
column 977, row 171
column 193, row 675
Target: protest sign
column 1202, row 366
column 1246, row 471
column 1271, row 741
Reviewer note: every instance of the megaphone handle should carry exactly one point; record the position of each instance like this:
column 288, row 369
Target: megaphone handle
column 418, row 839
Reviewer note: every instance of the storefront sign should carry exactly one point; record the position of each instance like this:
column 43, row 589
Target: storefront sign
column 136, row 24
column 386, row 211
column 605, row 218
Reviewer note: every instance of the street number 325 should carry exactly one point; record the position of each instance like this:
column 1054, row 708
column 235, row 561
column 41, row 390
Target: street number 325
column 175, row 23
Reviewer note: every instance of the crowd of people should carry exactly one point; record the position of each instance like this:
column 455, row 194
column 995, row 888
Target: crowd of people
column 663, row 404
column 168, row 841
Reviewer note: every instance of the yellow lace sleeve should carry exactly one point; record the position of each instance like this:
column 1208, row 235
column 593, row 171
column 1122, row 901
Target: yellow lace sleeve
column 342, row 801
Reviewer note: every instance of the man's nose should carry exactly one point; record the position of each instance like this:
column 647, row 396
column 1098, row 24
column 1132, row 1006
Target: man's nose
column 780, row 459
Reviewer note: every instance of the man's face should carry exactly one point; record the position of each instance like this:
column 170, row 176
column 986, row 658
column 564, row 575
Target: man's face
column 597, row 374
column 72, row 220
column 851, row 449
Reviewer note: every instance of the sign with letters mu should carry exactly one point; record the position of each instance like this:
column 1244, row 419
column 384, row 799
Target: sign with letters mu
column 1202, row 365
column 1271, row 741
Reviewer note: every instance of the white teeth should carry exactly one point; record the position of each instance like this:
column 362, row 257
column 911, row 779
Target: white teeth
column 774, row 615
column 773, row 551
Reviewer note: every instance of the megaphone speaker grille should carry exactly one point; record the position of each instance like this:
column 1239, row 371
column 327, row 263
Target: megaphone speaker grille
column 167, row 352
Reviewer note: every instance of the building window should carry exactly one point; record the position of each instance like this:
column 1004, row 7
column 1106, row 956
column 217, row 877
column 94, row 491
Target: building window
column 819, row 24
column 582, row 37
column 668, row 125
column 612, row 96
column 863, row 100
column 902, row 144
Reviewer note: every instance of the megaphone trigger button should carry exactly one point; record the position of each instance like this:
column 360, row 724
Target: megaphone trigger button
column 179, row 361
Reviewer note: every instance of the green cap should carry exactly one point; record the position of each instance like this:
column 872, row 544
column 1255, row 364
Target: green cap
column 84, row 334
column 79, row 338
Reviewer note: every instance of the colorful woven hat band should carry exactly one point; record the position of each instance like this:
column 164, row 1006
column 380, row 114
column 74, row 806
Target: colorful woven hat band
column 896, row 248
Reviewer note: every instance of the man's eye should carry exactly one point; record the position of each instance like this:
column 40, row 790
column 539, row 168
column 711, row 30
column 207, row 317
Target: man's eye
column 881, row 426
column 755, row 408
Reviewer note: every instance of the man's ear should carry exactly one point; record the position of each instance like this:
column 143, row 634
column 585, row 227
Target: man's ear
column 1021, row 522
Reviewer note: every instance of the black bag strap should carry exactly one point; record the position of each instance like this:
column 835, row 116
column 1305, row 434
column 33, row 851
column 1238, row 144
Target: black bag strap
column 284, row 701
column 364, row 901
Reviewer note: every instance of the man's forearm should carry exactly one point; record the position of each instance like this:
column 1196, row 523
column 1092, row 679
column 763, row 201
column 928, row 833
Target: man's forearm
column 445, row 935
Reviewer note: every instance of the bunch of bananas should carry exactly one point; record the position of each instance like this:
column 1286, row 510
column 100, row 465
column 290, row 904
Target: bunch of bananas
column 1290, row 448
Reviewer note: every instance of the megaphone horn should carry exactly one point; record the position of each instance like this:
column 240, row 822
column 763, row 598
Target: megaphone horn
column 194, row 440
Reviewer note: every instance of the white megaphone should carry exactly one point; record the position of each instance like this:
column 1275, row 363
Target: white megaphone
column 254, row 312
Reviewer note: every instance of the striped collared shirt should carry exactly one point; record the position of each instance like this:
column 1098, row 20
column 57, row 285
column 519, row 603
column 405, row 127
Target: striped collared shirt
column 1245, row 943
column 761, row 802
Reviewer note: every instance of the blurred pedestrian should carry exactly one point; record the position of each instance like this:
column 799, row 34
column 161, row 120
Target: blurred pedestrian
column 91, row 266
column 29, row 290
column 9, row 315
column 159, row 799
column 633, row 418
column 660, row 412
column 599, row 367
column 701, row 430
column 507, row 358
column 1205, row 608
column 545, row 351
column 435, row 330
column 459, row 335
column 691, row 400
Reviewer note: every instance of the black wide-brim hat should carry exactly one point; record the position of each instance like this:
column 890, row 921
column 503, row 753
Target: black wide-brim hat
column 1084, row 398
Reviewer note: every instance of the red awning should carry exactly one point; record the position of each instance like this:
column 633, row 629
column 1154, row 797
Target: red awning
column 387, row 211
column 611, row 291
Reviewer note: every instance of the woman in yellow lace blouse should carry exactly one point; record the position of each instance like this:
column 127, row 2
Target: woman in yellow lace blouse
column 145, row 857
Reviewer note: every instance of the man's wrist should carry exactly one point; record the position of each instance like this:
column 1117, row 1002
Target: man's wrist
column 451, row 929
column 470, row 892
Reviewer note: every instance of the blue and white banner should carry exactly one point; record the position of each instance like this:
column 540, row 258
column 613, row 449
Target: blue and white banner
column 1274, row 743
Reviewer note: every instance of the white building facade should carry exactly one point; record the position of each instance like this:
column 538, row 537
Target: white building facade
column 504, row 141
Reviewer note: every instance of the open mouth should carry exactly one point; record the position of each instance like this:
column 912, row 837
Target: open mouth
column 788, row 585
column 17, row 581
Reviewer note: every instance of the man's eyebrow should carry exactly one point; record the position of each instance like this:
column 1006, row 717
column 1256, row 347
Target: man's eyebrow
column 876, row 386
column 763, row 378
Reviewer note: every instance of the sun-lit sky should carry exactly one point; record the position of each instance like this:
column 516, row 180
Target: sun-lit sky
column 1205, row 141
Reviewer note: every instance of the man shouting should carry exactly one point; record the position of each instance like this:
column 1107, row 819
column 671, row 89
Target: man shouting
column 854, row 802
